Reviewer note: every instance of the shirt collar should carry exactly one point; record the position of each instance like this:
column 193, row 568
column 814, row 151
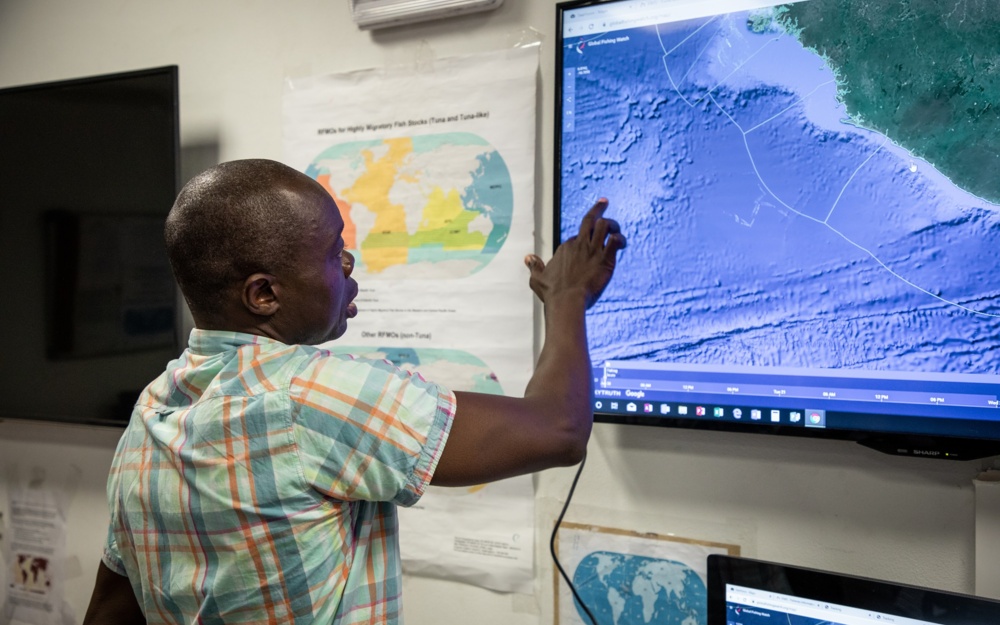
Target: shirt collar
column 211, row 342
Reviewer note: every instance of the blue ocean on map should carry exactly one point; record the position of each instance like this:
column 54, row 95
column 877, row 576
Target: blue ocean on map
column 764, row 226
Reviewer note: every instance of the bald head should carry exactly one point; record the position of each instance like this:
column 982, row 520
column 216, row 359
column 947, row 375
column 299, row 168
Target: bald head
column 234, row 220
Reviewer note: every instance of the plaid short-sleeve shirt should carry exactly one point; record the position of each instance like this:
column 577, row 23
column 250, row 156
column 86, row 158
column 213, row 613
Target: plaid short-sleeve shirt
column 257, row 482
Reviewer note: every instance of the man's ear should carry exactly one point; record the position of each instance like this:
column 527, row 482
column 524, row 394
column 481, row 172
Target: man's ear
column 260, row 296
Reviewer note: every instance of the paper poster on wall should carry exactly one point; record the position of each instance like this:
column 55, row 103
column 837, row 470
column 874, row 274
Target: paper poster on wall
column 631, row 578
column 35, row 558
column 433, row 171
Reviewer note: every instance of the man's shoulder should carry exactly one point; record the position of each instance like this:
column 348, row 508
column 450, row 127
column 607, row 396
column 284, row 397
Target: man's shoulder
column 322, row 361
column 329, row 375
column 283, row 366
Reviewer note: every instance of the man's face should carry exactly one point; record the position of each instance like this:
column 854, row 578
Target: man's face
column 317, row 298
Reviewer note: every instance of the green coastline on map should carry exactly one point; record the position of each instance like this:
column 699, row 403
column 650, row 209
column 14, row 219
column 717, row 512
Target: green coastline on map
column 926, row 74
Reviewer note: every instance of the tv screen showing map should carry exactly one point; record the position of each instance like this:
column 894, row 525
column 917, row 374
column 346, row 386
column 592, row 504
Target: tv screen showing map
column 811, row 196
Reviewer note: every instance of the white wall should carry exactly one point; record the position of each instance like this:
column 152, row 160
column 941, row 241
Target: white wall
column 823, row 504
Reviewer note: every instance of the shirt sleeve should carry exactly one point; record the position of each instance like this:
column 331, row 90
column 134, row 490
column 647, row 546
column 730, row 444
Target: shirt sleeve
column 367, row 430
column 111, row 557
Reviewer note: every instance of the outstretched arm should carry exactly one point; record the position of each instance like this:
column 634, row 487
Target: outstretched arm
column 494, row 437
column 113, row 601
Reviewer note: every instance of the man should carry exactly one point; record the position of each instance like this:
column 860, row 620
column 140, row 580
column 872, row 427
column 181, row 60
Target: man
column 258, row 479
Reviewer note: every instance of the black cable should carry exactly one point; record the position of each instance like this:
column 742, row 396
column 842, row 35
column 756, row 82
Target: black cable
column 552, row 542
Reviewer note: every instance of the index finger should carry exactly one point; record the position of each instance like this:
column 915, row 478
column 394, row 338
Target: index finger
column 595, row 212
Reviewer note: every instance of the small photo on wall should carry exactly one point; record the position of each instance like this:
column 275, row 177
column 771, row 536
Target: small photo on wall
column 631, row 578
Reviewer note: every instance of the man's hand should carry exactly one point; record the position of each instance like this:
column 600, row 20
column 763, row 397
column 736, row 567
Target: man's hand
column 494, row 437
column 585, row 261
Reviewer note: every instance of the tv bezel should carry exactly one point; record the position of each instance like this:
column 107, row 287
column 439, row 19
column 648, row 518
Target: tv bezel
column 937, row 446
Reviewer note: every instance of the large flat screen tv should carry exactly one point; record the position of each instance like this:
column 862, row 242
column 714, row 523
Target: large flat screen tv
column 811, row 194
column 89, row 171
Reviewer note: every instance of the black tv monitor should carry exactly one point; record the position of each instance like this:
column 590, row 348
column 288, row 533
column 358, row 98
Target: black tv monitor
column 742, row 591
column 89, row 171
column 811, row 195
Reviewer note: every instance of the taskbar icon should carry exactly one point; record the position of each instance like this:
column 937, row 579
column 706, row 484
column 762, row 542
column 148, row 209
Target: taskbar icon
column 758, row 416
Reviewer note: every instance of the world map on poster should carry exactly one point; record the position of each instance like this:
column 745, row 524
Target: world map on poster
column 812, row 185
column 433, row 206
column 622, row 589
column 454, row 369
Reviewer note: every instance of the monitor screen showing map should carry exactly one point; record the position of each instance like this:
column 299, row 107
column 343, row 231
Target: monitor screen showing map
column 811, row 196
column 742, row 591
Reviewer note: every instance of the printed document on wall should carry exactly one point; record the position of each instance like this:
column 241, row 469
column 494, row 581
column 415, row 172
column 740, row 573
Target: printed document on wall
column 34, row 562
column 432, row 168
